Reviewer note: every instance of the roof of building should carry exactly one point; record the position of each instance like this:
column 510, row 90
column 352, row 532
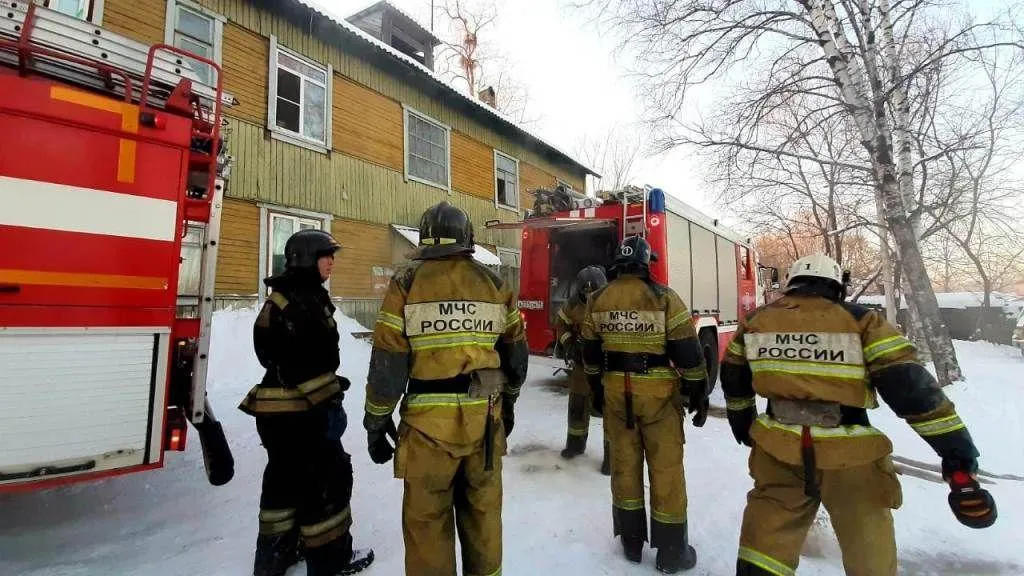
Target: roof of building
column 430, row 76
column 382, row 4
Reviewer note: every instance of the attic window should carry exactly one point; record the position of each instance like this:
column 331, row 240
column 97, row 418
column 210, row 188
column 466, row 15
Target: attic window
column 408, row 49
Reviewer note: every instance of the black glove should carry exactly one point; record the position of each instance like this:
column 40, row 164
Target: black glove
column 740, row 421
column 508, row 415
column 700, row 401
column 377, row 444
column 972, row 505
column 343, row 382
column 337, row 419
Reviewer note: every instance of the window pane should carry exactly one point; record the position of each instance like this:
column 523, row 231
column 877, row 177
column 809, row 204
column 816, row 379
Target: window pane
column 501, row 192
column 314, row 109
column 428, row 152
column 195, row 25
column 74, row 8
column 280, row 229
column 288, row 86
column 301, row 67
column 202, row 70
column 506, row 164
column 188, row 269
column 287, row 115
column 308, row 225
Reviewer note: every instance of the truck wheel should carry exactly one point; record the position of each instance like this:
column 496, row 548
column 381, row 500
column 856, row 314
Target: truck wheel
column 709, row 344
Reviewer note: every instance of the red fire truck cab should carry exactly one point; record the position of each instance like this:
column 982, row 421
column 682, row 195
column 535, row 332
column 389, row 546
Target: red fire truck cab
column 110, row 147
column 713, row 269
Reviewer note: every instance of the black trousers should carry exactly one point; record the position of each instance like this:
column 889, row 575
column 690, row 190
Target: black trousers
column 307, row 487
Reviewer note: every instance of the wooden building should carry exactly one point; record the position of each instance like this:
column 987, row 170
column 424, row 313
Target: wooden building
column 341, row 125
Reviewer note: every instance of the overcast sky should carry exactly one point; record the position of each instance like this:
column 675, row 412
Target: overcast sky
column 574, row 82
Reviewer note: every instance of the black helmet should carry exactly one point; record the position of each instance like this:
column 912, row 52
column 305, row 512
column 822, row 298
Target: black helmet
column 305, row 247
column 588, row 280
column 633, row 252
column 444, row 231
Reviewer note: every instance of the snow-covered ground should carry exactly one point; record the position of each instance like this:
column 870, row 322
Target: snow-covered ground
column 557, row 517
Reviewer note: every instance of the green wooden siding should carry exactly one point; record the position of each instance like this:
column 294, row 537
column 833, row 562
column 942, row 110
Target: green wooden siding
column 268, row 170
column 247, row 14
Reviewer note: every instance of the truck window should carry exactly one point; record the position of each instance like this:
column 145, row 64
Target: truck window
column 745, row 262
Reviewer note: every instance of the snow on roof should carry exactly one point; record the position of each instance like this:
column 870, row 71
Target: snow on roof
column 481, row 254
column 315, row 6
column 960, row 300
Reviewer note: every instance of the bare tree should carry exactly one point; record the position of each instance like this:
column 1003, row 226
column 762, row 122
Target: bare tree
column 612, row 155
column 469, row 61
column 848, row 58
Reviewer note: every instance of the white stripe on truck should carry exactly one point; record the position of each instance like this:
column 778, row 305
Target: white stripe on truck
column 34, row 204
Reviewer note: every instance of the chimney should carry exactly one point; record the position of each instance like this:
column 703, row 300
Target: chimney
column 487, row 96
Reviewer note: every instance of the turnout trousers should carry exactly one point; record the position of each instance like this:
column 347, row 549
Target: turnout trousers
column 307, row 487
column 579, row 406
column 859, row 501
column 657, row 435
column 445, row 493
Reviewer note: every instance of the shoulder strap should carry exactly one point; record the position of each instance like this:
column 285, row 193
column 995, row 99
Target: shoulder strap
column 856, row 310
column 279, row 300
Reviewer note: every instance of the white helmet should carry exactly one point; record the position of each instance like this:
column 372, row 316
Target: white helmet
column 815, row 266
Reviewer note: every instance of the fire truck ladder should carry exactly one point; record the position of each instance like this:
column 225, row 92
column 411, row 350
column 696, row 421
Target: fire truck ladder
column 633, row 225
column 67, row 35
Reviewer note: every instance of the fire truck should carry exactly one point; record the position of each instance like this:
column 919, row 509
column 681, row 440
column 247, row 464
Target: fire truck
column 111, row 149
column 713, row 269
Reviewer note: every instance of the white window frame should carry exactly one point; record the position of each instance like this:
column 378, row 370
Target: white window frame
column 284, row 134
column 267, row 211
column 171, row 23
column 497, row 203
column 97, row 9
column 409, row 111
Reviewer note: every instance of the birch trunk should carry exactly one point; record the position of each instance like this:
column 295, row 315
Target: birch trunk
column 876, row 136
column 901, row 113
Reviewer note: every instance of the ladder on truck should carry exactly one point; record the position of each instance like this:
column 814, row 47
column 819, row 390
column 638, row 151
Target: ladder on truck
column 59, row 32
column 54, row 44
column 633, row 225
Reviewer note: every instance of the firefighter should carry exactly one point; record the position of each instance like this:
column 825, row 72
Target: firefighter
column 307, row 483
column 645, row 367
column 567, row 328
column 821, row 362
column 449, row 345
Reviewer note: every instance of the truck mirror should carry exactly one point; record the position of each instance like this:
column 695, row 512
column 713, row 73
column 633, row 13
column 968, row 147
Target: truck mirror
column 775, row 277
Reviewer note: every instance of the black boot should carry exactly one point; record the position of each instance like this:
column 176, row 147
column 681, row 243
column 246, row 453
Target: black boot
column 361, row 559
column 744, row 568
column 672, row 560
column 276, row 553
column 338, row 558
column 677, row 555
column 633, row 548
column 606, row 464
column 574, row 446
